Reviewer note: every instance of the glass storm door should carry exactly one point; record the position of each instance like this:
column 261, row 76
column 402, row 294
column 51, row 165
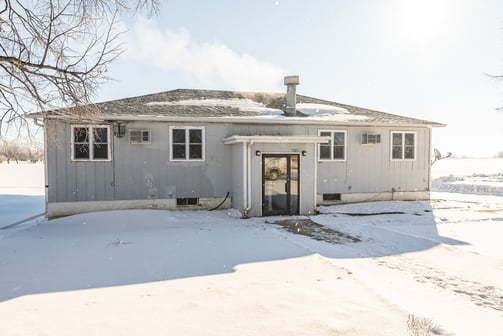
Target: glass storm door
column 280, row 184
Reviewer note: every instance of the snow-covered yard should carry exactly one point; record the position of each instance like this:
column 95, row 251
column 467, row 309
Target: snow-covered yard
column 154, row 272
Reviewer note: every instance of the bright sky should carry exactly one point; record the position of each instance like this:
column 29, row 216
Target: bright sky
column 427, row 59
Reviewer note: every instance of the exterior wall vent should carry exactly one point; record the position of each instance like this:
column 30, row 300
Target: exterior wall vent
column 331, row 197
column 187, row 201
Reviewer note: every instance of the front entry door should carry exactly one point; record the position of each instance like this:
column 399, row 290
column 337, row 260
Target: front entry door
column 280, row 184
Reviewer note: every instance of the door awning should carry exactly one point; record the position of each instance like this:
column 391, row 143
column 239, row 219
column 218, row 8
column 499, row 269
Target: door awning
column 275, row 139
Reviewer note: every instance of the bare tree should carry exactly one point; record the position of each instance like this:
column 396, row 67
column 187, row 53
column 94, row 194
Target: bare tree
column 14, row 150
column 35, row 151
column 21, row 150
column 55, row 53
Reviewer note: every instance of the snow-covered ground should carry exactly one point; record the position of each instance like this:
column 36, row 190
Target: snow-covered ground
column 468, row 176
column 21, row 192
column 154, row 272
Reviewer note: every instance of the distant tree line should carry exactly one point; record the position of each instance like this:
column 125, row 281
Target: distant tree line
column 18, row 150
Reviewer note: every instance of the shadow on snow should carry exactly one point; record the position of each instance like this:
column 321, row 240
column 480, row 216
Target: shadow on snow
column 14, row 208
column 117, row 248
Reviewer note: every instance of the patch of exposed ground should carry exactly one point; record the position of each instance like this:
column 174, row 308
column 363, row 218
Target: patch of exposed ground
column 361, row 214
column 308, row 228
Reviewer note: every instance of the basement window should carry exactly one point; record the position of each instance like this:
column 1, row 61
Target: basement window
column 187, row 201
column 139, row 137
column 331, row 197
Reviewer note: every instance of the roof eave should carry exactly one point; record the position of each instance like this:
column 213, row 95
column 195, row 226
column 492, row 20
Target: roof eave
column 242, row 120
column 234, row 139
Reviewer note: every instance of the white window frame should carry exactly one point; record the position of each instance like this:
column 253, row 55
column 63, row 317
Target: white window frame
column 403, row 145
column 187, row 143
column 91, row 143
column 140, row 142
column 331, row 159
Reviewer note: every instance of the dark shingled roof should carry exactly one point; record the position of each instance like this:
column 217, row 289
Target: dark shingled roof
column 140, row 107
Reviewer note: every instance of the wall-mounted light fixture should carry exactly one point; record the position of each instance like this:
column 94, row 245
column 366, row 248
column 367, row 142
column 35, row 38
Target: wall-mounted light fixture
column 304, row 153
column 258, row 153
column 119, row 129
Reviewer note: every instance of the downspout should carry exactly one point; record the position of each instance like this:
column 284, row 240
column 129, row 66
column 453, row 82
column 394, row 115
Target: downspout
column 38, row 123
column 46, row 174
column 428, row 160
column 245, row 174
column 315, row 159
column 247, row 179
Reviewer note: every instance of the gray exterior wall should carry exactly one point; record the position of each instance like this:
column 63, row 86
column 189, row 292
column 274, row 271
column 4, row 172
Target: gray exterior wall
column 137, row 171
column 369, row 168
column 69, row 181
column 145, row 172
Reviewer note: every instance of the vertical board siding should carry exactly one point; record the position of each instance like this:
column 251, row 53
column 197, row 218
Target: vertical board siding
column 51, row 161
column 73, row 181
column 139, row 172
column 369, row 168
column 145, row 171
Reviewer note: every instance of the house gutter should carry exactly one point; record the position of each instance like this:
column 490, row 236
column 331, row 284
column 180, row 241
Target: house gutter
column 245, row 120
column 46, row 168
column 39, row 123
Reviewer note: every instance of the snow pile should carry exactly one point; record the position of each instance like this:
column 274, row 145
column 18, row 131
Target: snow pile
column 468, row 176
column 480, row 184
column 243, row 104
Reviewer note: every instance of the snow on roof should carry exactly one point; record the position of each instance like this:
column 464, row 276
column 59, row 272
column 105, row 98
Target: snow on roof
column 267, row 107
column 243, row 104
column 320, row 109
column 328, row 112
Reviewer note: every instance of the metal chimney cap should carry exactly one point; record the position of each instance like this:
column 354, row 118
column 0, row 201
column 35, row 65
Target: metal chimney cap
column 291, row 80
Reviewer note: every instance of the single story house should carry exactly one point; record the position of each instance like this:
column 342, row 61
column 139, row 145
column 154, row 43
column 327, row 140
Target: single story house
column 260, row 153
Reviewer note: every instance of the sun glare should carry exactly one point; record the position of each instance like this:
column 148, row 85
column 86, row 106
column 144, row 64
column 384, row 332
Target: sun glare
column 422, row 21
